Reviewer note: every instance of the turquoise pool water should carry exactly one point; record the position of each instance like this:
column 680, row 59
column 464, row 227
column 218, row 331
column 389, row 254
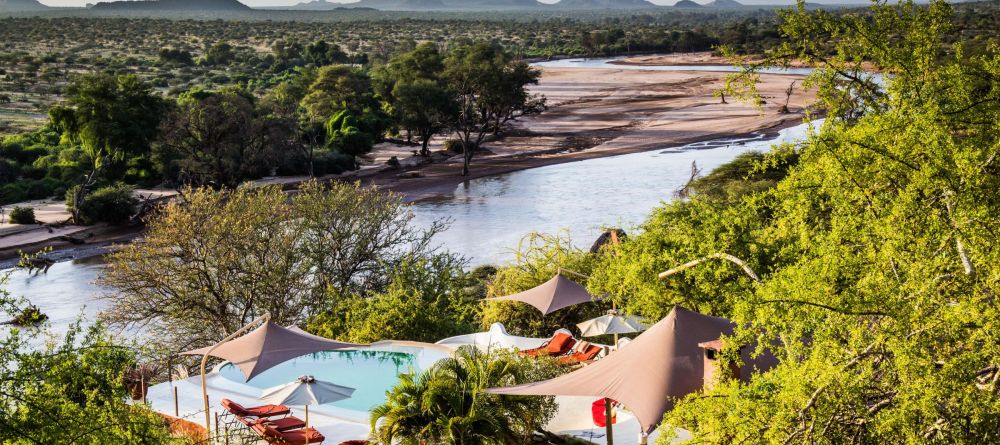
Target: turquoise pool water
column 370, row 373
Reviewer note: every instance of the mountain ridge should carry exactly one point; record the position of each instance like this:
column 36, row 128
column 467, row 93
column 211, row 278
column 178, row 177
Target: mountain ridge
column 172, row 5
column 22, row 5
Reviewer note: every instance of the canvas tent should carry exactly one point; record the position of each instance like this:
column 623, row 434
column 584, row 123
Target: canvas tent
column 552, row 295
column 267, row 346
column 660, row 366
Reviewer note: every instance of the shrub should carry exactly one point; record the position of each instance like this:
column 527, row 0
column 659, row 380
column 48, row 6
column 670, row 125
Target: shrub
column 454, row 146
column 427, row 300
column 113, row 204
column 22, row 215
column 332, row 163
column 539, row 258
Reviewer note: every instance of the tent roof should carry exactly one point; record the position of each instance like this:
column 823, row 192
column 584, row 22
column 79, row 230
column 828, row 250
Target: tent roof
column 659, row 366
column 552, row 295
column 267, row 346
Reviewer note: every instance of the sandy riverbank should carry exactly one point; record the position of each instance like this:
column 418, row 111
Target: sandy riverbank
column 688, row 59
column 598, row 112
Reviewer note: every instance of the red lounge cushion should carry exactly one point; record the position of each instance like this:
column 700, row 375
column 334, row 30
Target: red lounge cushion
column 561, row 343
column 287, row 423
column 256, row 411
column 303, row 437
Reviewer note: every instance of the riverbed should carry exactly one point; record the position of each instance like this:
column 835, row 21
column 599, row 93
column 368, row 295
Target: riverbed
column 488, row 215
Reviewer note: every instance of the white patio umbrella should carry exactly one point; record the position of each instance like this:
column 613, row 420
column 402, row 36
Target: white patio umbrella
column 306, row 391
column 611, row 323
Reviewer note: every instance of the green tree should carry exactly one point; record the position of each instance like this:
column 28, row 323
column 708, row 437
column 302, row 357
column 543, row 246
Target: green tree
column 220, row 139
column 414, row 88
column 491, row 91
column 338, row 87
column 344, row 135
column 321, row 53
column 446, row 404
column 426, row 300
column 215, row 260
column 111, row 117
column 219, row 54
column 71, row 391
column 874, row 260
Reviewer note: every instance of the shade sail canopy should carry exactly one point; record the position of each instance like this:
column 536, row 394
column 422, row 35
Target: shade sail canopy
column 611, row 324
column 660, row 365
column 306, row 390
column 552, row 295
column 268, row 346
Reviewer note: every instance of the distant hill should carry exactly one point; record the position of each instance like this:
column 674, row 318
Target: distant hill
column 724, row 4
column 603, row 4
column 687, row 4
column 172, row 5
column 21, row 5
column 450, row 5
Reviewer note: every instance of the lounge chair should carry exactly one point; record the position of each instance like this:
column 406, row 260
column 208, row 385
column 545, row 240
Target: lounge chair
column 259, row 412
column 582, row 352
column 293, row 437
column 559, row 344
column 282, row 424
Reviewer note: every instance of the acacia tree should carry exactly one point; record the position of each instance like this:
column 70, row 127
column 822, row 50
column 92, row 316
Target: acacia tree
column 215, row 260
column 491, row 91
column 414, row 88
column 71, row 391
column 219, row 139
column 876, row 255
column 112, row 119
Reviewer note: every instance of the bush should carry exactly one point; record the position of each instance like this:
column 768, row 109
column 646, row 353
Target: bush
column 22, row 215
column 455, row 146
column 539, row 258
column 113, row 204
column 332, row 163
column 427, row 300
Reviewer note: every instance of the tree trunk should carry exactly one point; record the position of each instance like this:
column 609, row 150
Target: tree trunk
column 423, row 147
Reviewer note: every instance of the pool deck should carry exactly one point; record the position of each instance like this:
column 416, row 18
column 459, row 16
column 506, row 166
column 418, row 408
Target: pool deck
column 573, row 417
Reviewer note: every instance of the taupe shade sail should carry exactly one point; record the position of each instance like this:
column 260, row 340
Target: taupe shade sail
column 611, row 324
column 267, row 346
column 660, row 365
column 306, row 390
column 552, row 295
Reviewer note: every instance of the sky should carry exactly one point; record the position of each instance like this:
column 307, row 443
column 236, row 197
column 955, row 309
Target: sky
column 255, row 3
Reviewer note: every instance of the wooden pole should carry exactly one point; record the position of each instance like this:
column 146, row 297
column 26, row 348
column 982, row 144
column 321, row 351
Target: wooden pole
column 307, row 424
column 216, row 427
column 608, row 429
column 204, row 361
column 177, row 407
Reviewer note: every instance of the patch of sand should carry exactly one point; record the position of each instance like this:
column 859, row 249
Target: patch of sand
column 596, row 112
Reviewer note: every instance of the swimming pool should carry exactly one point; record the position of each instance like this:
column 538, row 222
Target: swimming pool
column 370, row 372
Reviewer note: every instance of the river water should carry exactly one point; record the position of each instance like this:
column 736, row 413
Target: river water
column 488, row 215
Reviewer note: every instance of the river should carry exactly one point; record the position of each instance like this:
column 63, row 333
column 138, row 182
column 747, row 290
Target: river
column 488, row 215
column 608, row 63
